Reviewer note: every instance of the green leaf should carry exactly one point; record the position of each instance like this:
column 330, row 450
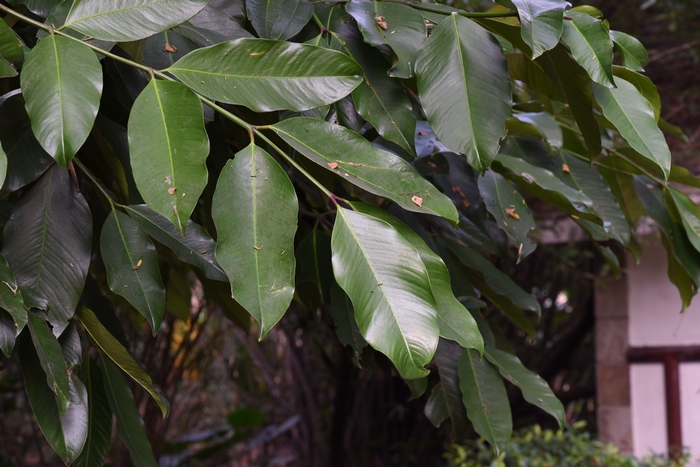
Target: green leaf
column 278, row 19
column 255, row 211
column 454, row 320
column 62, row 83
column 359, row 162
column 541, row 22
column 447, row 359
column 65, row 433
column 132, row 267
column 616, row 172
column 196, row 247
column 6, row 69
column 165, row 48
column 219, row 21
column 633, row 116
column 99, row 418
column 485, row 398
column 266, row 75
column 385, row 278
column 346, row 329
column 644, row 85
column 689, row 214
column 436, row 407
column 576, row 87
column 11, row 299
column 523, row 69
column 589, row 181
column 8, row 333
column 591, row 46
column 47, row 244
column 129, row 20
column 130, row 426
column 399, row 26
column 535, row 389
column 673, row 130
column 51, row 358
column 461, row 76
column 633, row 54
column 112, row 348
column 167, row 119
column 510, row 211
column 380, row 99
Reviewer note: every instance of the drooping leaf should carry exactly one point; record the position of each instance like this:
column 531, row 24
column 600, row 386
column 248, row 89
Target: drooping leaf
column 130, row 426
column 633, row 117
column 535, row 389
column 673, row 130
column 266, row 75
column 589, row 181
column 541, row 22
column 485, row 398
column 129, row 20
column 255, row 211
column 447, row 359
column 66, row 433
column 352, row 157
column 62, row 83
column 113, row 349
column 385, row 278
column 196, row 247
column 278, row 19
column 132, row 267
column 461, row 76
column 575, row 84
column 380, row 99
column 633, row 54
column 509, row 209
column 689, row 214
column 99, row 418
column 47, row 244
column 11, row 298
column 347, row 329
column 169, row 146
column 51, row 359
column 399, row 26
column 591, row 46
column 454, row 320
column 436, row 406
column 644, row 85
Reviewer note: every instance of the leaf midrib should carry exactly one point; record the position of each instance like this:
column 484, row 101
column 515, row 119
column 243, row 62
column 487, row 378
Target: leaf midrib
column 170, row 153
column 113, row 12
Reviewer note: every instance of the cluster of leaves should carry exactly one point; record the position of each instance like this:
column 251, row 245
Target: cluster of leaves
column 387, row 147
column 535, row 447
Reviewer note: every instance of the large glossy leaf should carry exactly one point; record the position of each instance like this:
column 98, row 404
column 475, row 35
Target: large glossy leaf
column 510, row 211
column 535, row 389
column 51, row 359
column 255, row 211
column 541, row 22
column 447, row 359
column 169, row 147
column 380, row 99
column 575, row 84
column 278, row 19
column 129, row 20
column 617, row 174
column 461, row 76
column 26, row 159
column 41, row 7
column 454, row 320
column 65, row 433
column 47, row 244
column 589, row 181
column 266, row 75
column 99, row 418
column 689, row 213
column 62, row 83
column 10, row 46
column 385, row 278
column 130, row 426
column 485, row 398
column 633, row 116
column 591, row 46
column 11, row 298
column 399, row 26
column 633, row 54
column 113, row 349
column 359, row 162
column 196, row 247
column 644, row 85
column 132, row 267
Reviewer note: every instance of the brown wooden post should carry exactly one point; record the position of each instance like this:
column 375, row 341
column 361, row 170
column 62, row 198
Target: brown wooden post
column 673, row 405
